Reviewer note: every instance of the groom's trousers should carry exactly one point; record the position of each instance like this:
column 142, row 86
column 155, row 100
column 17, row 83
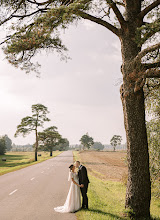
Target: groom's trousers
column 84, row 196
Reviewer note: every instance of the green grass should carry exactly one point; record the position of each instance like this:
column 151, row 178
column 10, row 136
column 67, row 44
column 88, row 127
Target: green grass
column 18, row 160
column 155, row 208
column 107, row 200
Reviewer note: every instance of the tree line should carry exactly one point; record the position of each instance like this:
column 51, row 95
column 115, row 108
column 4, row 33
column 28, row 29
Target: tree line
column 87, row 142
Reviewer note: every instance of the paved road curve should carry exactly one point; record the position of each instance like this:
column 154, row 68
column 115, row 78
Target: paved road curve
column 33, row 192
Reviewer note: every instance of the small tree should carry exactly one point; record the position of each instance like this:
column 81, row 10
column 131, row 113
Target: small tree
column 49, row 139
column 98, row 146
column 63, row 145
column 115, row 140
column 8, row 143
column 152, row 102
column 86, row 141
column 2, row 145
column 31, row 123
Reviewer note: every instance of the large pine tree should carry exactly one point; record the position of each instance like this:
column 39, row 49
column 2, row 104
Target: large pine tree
column 136, row 23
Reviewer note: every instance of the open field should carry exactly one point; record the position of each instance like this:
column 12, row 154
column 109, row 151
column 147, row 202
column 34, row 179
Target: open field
column 105, row 165
column 18, row 160
column 107, row 190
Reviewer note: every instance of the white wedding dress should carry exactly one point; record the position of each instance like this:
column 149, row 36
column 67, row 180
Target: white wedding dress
column 73, row 201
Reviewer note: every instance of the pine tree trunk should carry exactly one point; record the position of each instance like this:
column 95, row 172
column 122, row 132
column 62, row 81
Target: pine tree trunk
column 36, row 146
column 138, row 193
column 35, row 154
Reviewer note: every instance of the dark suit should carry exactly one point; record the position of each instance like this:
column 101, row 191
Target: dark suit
column 83, row 179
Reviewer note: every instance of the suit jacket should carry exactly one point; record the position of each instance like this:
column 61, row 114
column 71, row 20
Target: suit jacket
column 82, row 174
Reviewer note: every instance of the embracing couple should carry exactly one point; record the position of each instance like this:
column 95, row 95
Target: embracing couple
column 79, row 182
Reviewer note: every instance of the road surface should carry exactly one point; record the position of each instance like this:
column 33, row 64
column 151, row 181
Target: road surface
column 32, row 192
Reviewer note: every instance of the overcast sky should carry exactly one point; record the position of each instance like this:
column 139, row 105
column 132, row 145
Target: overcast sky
column 82, row 95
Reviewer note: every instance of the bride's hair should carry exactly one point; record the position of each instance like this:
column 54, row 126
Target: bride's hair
column 70, row 167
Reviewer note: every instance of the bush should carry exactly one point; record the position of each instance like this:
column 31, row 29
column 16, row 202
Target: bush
column 2, row 146
column 98, row 146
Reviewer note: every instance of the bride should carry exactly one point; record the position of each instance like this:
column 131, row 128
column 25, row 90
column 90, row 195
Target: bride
column 73, row 201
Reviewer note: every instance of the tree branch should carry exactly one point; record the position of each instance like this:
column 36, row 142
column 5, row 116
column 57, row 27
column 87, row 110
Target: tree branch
column 149, row 34
column 28, row 15
column 40, row 4
column 11, row 16
column 99, row 21
column 147, row 50
column 117, row 12
column 148, row 9
column 147, row 66
column 152, row 73
column 10, row 36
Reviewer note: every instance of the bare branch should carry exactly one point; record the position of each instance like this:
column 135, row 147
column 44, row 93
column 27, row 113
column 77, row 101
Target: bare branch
column 147, row 50
column 150, row 65
column 40, row 4
column 148, row 35
column 42, row 10
column 28, row 15
column 152, row 73
column 117, row 12
column 148, row 9
column 8, row 38
column 11, row 16
column 99, row 21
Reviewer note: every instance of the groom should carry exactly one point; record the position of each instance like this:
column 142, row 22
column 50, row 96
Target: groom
column 83, row 181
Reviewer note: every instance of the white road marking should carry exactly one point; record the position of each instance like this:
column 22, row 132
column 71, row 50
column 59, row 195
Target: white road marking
column 33, row 178
column 13, row 192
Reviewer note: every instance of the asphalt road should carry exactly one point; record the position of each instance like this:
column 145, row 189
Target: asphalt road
column 32, row 192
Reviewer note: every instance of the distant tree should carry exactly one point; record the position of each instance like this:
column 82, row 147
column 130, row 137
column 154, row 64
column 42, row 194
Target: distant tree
column 63, row 145
column 152, row 102
column 31, row 123
column 115, row 140
column 26, row 147
column 86, row 141
column 98, row 146
column 2, row 145
column 8, row 143
column 49, row 138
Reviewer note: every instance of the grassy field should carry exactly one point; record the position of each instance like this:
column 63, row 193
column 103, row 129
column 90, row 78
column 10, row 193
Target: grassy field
column 107, row 198
column 17, row 160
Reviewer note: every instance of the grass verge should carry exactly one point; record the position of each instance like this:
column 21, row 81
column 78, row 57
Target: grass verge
column 18, row 160
column 107, row 198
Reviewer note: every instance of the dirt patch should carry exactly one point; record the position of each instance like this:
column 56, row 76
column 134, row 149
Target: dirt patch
column 106, row 165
